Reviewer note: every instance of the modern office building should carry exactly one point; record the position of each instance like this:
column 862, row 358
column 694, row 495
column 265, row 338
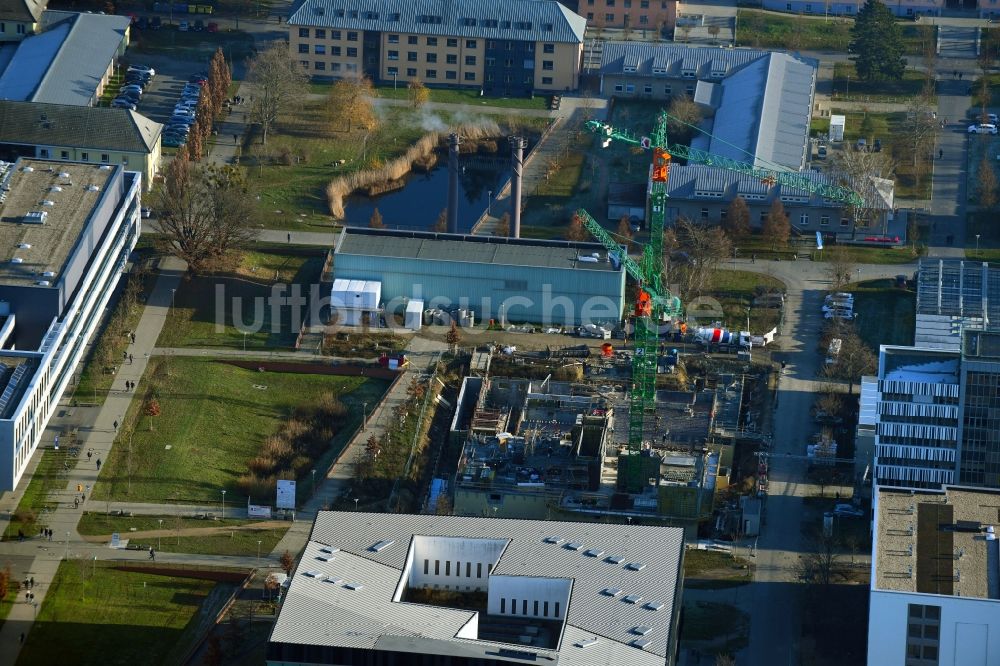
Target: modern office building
column 64, row 132
column 935, row 580
column 931, row 417
column 512, row 48
column 955, row 295
column 20, row 18
column 511, row 280
column 66, row 230
column 455, row 591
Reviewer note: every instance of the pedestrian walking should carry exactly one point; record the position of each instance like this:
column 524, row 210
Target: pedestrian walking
column 116, row 426
column 133, row 338
column 152, row 554
column 98, row 464
column 31, row 583
column 236, row 138
column 753, row 258
column 954, row 74
column 960, row 76
column 90, row 454
column 124, row 355
column 130, row 359
column 289, row 238
column 76, row 502
column 940, row 153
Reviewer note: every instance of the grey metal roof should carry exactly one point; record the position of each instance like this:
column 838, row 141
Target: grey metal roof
column 958, row 288
column 528, row 20
column 21, row 10
column 694, row 181
column 28, row 123
column 65, row 63
column 674, row 60
column 431, row 246
column 764, row 114
column 317, row 611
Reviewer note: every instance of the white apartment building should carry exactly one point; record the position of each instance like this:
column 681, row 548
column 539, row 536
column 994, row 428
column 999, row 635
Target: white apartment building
column 66, row 231
column 935, row 591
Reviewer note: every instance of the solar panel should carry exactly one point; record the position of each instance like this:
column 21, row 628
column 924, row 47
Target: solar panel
column 935, row 548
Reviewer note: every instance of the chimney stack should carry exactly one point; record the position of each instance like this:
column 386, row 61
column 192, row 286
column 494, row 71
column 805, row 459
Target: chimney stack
column 453, row 141
column 517, row 164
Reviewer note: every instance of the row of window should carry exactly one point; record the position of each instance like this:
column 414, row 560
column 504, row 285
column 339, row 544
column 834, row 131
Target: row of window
column 648, row 89
column 335, row 35
column 524, row 607
column 610, row 18
column 320, row 49
column 84, row 157
column 627, row 4
column 450, row 58
column 320, row 66
column 20, row 28
column 458, row 568
column 849, row 9
column 804, row 218
column 449, row 75
column 450, row 42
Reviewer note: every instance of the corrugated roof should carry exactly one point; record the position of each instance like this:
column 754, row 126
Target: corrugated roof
column 529, row 20
column 21, row 10
column 686, row 182
column 471, row 249
column 28, row 123
column 672, row 61
column 65, row 63
column 317, row 611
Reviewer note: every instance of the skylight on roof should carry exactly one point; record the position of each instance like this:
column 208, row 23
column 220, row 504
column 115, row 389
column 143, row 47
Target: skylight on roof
column 381, row 545
column 573, row 545
column 654, row 605
column 641, row 630
column 354, row 586
column 554, row 539
column 586, row 643
column 595, row 552
column 635, row 566
column 315, row 574
column 641, row 643
column 633, row 599
column 612, row 591
column 614, row 559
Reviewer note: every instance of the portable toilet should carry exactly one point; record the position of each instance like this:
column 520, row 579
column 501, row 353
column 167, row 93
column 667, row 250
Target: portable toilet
column 414, row 315
column 837, row 127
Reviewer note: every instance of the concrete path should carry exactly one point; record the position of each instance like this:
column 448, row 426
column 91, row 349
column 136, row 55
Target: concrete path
column 957, row 41
column 948, row 184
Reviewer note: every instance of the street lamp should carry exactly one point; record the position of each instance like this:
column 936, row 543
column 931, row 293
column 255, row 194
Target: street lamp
column 223, row 504
column 355, row 503
column 977, row 242
column 258, row 552
column 364, row 416
column 748, row 320
column 173, row 293
column 489, row 202
column 244, row 342
column 848, row 93
column 394, row 80
column 314, row 482
column 159, row 538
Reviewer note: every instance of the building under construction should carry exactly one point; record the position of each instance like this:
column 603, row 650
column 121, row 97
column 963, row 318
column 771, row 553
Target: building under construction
column 552, row 450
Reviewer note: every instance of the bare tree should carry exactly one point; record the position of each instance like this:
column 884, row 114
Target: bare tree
column 776, row 227
column 453, row 337
column 684, row 113
column 287, row 561
column 205, row 211
column 350, row 104
column 418, row 93
column 625, row 232
column 713, row 30
column 857, row 170
column 441, row 224
column 375, row 221
column 840, row 265
column 703, row 248
column 503, row 225
column 855, row 359
column 819, row 564
column 920, row 129
column 737, row 222
column 986, row 184
column 279, row 84
column 576, row 231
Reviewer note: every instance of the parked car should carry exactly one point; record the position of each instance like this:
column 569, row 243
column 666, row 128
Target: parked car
column 212, row 27
column 182, row 26
column 132, row 98
column 122, row 103
column 821, row 152
column 145, row 69
column 862, row 144
column 146, row 213
column 846, row 315
column 131, row 87
column 199, row 25
column 171, row 141
column 198, row 77
column 983, row 128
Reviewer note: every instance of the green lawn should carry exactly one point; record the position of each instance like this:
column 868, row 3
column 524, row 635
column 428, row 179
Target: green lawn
column 450, row 96
column 105, row 616
column 884, row 314
column 984, row 224
column 712, row 569
column 872, row 255
column 847, row 85
column 236, row 44
column 735, row 291
column 719, row 627
column 214, row 419
column 49, row 476
column 199, row 307
column 565, row 171
column 784, row 31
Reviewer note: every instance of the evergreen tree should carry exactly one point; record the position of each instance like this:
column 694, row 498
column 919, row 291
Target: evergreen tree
column 877, row 44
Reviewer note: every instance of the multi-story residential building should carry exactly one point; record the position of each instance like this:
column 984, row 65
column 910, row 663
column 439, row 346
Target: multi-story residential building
column 633, row 14
column 513, row 48
column 66, row 230
column 932, row 416
column 81, row 134
column 20, row 18
column 935, row 579
column 912, row 8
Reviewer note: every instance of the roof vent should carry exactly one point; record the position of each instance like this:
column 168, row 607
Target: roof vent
column 92, row 188
column 324, row 558
column 329, row 549
column 315, row 574
column 55, row 188
column 653, row 605
column 586, row 643
column 381, row 545
column 633, row 599
column 335, row 581
column 354, row 586
column 614, row 559
column 611, row 591
column 319, row 10
column 48, row 274
column 36, row 217
column 635, row 566
column 48, row 202
column 27, row 169
column 641, row 630
column 641, row 643
column 595, row 552
column 64, row 174
column 24, row 246
column 43, row 283
column 17, row 260
column 554, row 539
column 573, row 545
column 105, row 167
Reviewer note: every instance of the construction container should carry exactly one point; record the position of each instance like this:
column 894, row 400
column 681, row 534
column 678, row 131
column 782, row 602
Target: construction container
column 414, row 315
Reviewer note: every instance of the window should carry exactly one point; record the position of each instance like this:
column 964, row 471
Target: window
column 335, row 34
column 431, row 73
column 704, row 213
column 451, row 59
column 470, row 60
column 451, row 75
column 524, row 607
column 557, row 610
column 20, row 28
column 479, row 569
column 85, row 157
column 590, row 15
column 304, row 63
column 643, row 4
column 432, row 41
column 513, row 606
column 335, row 51
column 809, row 9
column 352, row 36
column 451, row 43
column 471, row 44
column 824, row 220
column 503, row 605
column 319, row 49
column 630, row 87
column 609, row 3
column 303, row 48
column 412, row 39
column 427, row 566
column 548, row 48
column 610, row 18
column 394, row 39
column 643, row 19
column 64, row 154
column 468, row 569
column 304, row 32
column 43, row 152
column 319, row 65
column 844, row 222
column 763, row 217
column 124, row 159
column 619, row 87
column 411, row 56
column 490, row 62
column 722, row 215
column 804, row 219
column 627, row 4
column 647, row 89
column 447, row 568
column 546, row 80
column 545, row 609
column 411, row 71
column 320, row 33
column 689, row 90
column 437, row 567
column 470, row 76
column 547, row 65
column 352, row 52
column 491, row 44
column 393, row 55
column 666, row 90
column 393, row 71
column 432, row 57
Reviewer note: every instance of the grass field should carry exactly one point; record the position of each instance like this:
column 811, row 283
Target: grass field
column 214, row 418
column 246, row 287
column 718, row 628
column 49, row 476
column 105, row 616
column 450, row 96
column 236, row 44
column 712, row 569
column 240, row 540
column 735, row 291
column 884, row 314
column 846, row 84
column 984, row 224
column 813, row 33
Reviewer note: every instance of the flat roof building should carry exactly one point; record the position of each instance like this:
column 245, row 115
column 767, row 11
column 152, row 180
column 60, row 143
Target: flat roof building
column 954, row 295
column 422, row 589
column 935, row 590
column 66, row 230
column 507, row 279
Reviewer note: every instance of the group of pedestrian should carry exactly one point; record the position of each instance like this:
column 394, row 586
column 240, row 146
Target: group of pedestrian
column 956, row 75
column 29, row 597
column 129, row 385
column 29, row 583
column 127, row 357
column 45, row 533
column 238, row 101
